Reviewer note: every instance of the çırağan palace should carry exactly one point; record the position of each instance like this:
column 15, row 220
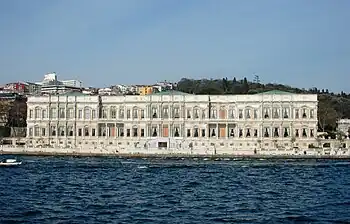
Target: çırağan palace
column 173, row 121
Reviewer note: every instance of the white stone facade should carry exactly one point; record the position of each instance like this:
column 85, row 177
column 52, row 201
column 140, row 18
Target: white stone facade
column 173, row 121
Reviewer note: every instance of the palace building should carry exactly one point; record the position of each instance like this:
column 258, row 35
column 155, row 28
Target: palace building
column 173, row 120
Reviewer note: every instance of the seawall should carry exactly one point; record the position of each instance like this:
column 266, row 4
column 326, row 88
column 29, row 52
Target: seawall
column 276, row 154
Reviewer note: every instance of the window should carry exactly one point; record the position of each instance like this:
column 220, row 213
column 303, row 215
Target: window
column 142, row 132
column 53, row 130
column 134, row 113
column 61, row 113
column 70, row 130
column 93, row 114
column 80, row 114
column 203, row 132
column 196, row 113
column 213, row 133
column 104, row 113
column 70, row 113
column 176, row 113
column 232, row 132
column 134, row 132
column 231, row 113
column 203, row 114
column 154, row 132
column 86, row 131
column 121, row 113
column 188, row 113
column 240, row 133
column 176, row 132
column 121, row 131
column 87, row 113
column 128, row 113
column 304, row 132
column 36, row 131
column 255, row 133
column 286, row 113
column 154, row 112
column 311, row 133
column 296, row 113
column 255, row 113
column 80, row 132
column 30, row 114
column 276, row 132
column 195, row 134
column 165, row 112
column 37, row 113
column 43, row 114
column 248, row 132
column 93, row 132
column 113, row 113
column 247, row 113
column 61, row 131
column 188, row 132
column 266, row 133
column 213, row 113
column 53, row 113
column 296, row 132
column 142, row 113
column 30, row 131
column 240, row 113
column 304, row 113
column 312, row 113
column 266, row 113
column 128, row 132
column 286, row 132
column 276, row 113
column 43, row 131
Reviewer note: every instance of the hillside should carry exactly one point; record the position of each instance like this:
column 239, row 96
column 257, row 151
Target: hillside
column 331, row 106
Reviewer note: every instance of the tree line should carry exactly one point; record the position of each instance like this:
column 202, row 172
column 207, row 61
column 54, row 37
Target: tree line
column 331, row 106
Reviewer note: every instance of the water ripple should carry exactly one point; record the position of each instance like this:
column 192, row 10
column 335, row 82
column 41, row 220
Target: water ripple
column 113, row 190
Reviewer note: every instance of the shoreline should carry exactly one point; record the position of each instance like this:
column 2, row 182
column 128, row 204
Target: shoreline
column 174, row 156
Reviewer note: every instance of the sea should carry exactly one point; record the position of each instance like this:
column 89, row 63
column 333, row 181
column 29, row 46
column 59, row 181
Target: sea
column 194, row 190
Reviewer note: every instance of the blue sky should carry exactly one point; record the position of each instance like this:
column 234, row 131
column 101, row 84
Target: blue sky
column 303, row 43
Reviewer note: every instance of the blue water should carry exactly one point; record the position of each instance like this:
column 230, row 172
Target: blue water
column 112, row 190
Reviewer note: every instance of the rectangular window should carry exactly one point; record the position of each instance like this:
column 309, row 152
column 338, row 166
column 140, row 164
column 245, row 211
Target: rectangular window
column 70, row 113
column 142, row 132
column 62, row 113
column 165, row 113
column 93, row 132
column 80, row 114
column 134, row 113
column 142, row 113
column 203, row 132
column 43, row 132
column 113, row 113
column 30, row 114
column 53, row 113
column 176, row 113
column 128, row 132
column 80, row 132
column 134, row 132
column 240, row 114
column 43, row 113
column 128, row 114
column 93, row 114
column 121, row 113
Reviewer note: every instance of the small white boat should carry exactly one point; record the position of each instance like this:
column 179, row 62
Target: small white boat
column 10, row 162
